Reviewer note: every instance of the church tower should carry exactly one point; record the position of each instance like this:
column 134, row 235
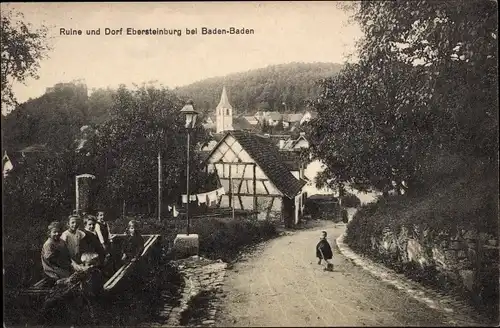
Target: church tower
column 224, row 114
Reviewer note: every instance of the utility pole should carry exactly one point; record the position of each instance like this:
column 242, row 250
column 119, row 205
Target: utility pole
column 187, row 185
column 232, row 196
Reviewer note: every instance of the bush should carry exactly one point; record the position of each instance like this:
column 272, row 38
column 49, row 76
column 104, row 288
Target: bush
column 350, row 200
column 225, row 240
column 345, row 216
column 220, row 238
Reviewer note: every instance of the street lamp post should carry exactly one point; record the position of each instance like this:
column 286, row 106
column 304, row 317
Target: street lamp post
column 191, row 115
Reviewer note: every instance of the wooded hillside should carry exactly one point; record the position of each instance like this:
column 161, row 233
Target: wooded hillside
column 55, row 118
column 263, row 89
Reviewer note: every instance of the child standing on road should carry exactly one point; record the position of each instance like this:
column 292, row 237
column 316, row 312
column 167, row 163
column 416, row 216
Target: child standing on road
column 323, row 249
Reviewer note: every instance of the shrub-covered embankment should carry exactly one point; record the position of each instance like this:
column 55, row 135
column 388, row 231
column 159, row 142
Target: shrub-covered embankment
column 447, row 238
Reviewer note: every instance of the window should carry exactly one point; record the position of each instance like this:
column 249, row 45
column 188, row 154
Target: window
column 227, row 111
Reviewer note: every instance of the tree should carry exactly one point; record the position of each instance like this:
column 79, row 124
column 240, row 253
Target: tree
column 41, row 189
column 456, row 44
column 266, row 88
column 424, row 87
column 53, row 119
column 100, row 103
column 143, row 122
column 23, row 47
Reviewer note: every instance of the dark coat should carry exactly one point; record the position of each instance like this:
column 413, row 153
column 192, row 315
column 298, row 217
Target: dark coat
column 325, row 248
column 91, row 244
column 133, row 245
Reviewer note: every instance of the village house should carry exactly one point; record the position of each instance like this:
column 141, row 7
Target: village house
column 289, row 142
column 252, row 120
column 255, row 177
column 7, row 164
column 225, row 119
column 19, row 157
column 268, row 153
column 273, row 118
column 209, row 122
column 308, row 115
column 291, row 119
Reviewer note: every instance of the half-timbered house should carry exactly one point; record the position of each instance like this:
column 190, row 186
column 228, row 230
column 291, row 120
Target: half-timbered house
column 255, row 177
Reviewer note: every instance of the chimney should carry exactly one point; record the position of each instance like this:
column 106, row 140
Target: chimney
column 282, row 143
column 302, row 134
column 266, row 135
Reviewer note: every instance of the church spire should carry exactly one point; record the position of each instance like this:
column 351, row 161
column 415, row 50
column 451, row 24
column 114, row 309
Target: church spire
column 224, row 101
column 224, row 112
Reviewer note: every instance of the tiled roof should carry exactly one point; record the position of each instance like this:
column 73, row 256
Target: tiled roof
column 295, row 127
column 292, row 118
column 275, row 138
column 217, row 136
column 314, row 114
column 251, row 119
column 241, row 123
column 267, row 156
column 291, row 159
column 224, row 101
column 275, row 116
column 209, row 126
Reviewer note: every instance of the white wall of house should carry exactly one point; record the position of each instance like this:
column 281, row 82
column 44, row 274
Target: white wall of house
column 224, row 159
column 306, row 118
column 302, row 143
column 311, row 172
column 211, row 144
column 7, row 166
column 298, row 206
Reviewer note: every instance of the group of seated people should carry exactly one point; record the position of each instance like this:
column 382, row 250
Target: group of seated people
column 76, row 250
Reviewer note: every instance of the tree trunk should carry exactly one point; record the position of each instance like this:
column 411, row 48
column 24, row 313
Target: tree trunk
column 477, row 286
column 399, row 186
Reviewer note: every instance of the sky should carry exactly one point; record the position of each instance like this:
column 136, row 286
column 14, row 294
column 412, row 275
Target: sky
column 283, row 32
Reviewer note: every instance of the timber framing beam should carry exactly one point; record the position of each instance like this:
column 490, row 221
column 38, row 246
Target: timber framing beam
column 257, row 195
column 233, row 163
column 249, row 179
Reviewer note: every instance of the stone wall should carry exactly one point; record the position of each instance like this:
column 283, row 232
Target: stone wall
column 465, row 259
column 200, row 276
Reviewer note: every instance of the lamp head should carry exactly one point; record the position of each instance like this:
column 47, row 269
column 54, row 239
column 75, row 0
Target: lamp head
column 190, row 114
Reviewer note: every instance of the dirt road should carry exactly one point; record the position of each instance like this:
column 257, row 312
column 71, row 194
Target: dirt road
column 281, row 284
